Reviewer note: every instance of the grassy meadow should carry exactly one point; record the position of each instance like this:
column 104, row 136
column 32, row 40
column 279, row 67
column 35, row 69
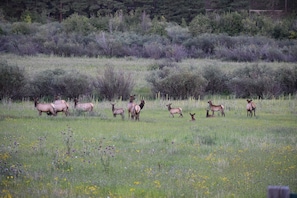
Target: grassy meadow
column 97, row 155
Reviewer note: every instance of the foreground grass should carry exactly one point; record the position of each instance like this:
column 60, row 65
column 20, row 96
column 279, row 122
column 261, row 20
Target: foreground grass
column 100, row 156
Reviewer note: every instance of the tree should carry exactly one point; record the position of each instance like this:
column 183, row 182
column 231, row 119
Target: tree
column 114, row 84
column 12, row 80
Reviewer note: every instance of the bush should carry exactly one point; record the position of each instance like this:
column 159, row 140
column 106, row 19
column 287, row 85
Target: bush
column 201, row 24
column 255, row 81
column 12, row 80
column 79, row 24
column 217, row 80
column 23, row 28
column 176, row 53
column 177, row 83
column 287, row 78
column 177, row 34
column 229, row 23
column 50, row 83
column 114, row 85
column 154, row 50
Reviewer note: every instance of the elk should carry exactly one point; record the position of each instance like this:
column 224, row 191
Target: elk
column 208, row 115
column 61, row 106
column 192, row 116
column 117, row 111
column 131, row 105
column 174, row 110
column 136, row 110
column 48, row 108
column 83, row 106
column 214, row 108
column 250, row 107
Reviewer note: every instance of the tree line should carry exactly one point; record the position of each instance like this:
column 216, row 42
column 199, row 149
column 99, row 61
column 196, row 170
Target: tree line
column 172, row 10
column 165, row 79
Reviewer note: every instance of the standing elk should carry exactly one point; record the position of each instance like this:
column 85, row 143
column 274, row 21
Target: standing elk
column 61, row 106
column 87, row 107
column 192, row 116
column 208, row 115
column 117, row 111
column 136, row 110
column 214, row 108
column 48, row 108
column 174, row 110
column 131, row 105
column 250, row 107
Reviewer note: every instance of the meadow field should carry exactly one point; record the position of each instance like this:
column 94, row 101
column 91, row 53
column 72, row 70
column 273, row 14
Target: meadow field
column 97, row 155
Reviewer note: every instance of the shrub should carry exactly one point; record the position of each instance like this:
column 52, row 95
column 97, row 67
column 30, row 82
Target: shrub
column 177, row 34
column 176, row 53
column 229, row 23
column 50, row 83
column 242, row 53
column 12, row 80
column 217, row 80
column 154, row 50
column 177, row 83
column 114, row 85
column 79, row 24
column 200, row 24
column 254, row 81
column 23, row 28
column 287, row 78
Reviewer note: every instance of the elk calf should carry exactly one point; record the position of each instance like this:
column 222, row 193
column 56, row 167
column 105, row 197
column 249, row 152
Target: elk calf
column 214, row 108
column 250, row 107
column 174, row 110
column 117, row 111
column 192, row 116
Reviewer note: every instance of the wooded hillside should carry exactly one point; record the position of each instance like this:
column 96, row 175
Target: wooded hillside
column 171, row 10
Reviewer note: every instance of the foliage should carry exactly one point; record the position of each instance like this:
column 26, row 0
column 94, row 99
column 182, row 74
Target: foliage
column 255, row 81
column 114, row 84
column 200, row 24
column 76, row 23
column 217, row 80
column 222, row 36
column 177, row 83
column 287, row 78
column 59, row 82
column 13, row 79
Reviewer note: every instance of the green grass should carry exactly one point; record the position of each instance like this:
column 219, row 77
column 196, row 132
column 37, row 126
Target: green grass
column 160, row 156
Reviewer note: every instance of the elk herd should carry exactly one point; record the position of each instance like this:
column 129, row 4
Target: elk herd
column 133, row 108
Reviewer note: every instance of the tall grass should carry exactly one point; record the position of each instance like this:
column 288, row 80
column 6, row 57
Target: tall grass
column 101, row 156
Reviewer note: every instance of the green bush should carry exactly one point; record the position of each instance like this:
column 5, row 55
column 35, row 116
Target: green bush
column 216, row 79
column 200, row 24
column 229, row 23
column 21, row 28
column 12, row 80
column 114, row 84
column 287, row 77
column 177, row 83
column 50, row 83
column 77, row 23
column 255, row 81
